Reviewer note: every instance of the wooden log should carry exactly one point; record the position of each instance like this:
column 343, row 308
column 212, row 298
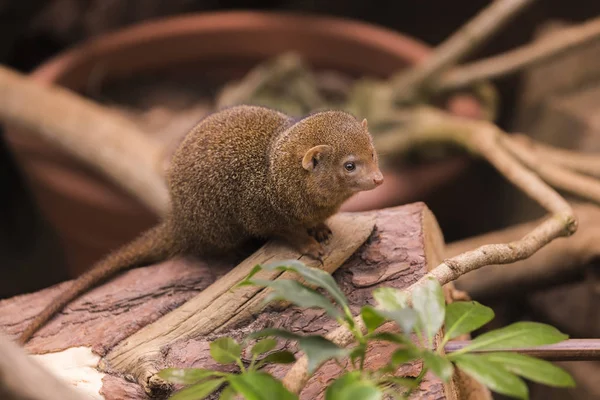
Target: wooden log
column 159, row 316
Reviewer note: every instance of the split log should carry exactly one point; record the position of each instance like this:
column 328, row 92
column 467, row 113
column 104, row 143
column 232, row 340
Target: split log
column 166, row 314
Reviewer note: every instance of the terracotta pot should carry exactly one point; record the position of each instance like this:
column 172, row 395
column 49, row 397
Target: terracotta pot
column 91, row 215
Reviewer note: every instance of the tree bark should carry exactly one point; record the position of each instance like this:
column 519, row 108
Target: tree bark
column 136, row 323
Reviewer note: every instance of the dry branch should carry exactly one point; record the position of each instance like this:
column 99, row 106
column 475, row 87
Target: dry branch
column 588, row 164
column 515, row 60
column 556, row 175
column 567, row 350
column 22, row 378
column 475, row 32
column 555, row 261
column 105, row 141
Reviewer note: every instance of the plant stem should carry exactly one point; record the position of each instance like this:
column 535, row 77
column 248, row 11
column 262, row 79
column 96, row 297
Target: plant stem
column 418, row 380
column 241, row 365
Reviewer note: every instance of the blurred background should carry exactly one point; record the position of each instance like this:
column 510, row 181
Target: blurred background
column 34, row 253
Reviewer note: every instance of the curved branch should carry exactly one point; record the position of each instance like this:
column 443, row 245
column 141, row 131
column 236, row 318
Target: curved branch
column 475, row 32
column 105, row 141
column 512, row 61
column 555, row 261
column 584, row 163
column 561, row 178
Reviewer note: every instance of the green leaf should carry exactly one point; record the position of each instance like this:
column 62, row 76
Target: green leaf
column 247, row 281
column 281, row 333
column 187, row 376
column 371, row 318
column 389, row 337
column 299, row 294
column 519, row 334
column 198, row 391
column 358, row 352
column 390, row 299
column 464, row 317
column 346, row 379
column 536, row 370
column 257, row 385
column 402, row 356
column 317, row 348
column 280, row 357
column 409, row 383
column 314, row 276
column 350, row 386
column 428, row 302
column 405, row 318
column 228, row 393
column 492, row 375
column 225, row 350
column 263, row 346
column 437, row 364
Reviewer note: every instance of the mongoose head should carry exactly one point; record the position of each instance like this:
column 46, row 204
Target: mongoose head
column 344, row 160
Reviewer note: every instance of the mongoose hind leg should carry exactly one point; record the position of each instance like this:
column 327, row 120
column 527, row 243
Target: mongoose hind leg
column 321, row 233
column 304, row 243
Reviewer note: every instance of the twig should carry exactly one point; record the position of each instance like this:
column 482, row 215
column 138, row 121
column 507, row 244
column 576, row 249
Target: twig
column 475, row 32
column 555, row 261
column 108, row 143
column 588, row 164
column 586, row 187
column 567, row 350
column 522, row 57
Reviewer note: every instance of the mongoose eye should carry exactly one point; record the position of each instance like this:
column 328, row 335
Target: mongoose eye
column 350, row 166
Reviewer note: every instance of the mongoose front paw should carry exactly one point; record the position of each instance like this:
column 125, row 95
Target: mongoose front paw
column 313, row 249
column 321, row 233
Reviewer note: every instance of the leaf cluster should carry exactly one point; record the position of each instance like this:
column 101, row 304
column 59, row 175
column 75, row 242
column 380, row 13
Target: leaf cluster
column 417, row 336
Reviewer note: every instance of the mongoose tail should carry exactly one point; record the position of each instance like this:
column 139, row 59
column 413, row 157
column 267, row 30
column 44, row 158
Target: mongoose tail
column 151, row 246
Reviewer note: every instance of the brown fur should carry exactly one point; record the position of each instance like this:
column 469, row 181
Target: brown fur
column 242, row 173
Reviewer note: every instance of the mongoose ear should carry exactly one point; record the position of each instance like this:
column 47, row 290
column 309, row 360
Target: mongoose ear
column 364, row 124
column 312, row 156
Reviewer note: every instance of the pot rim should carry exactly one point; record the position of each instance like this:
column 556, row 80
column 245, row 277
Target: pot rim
column 367, row 34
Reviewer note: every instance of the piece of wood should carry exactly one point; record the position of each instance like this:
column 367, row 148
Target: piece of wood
column 222, row 306
column 559, row 261
column 22, row 378
column 405, row 243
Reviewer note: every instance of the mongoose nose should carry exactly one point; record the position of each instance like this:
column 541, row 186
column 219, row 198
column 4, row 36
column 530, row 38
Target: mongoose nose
column 378, row 179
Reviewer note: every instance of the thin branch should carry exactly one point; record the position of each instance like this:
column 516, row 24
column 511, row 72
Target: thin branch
column 567, row 350
column 471, row 35
column 554, row 262
column 584, row 163
column 512, row 61
column 103, row 140
column 584, row 186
